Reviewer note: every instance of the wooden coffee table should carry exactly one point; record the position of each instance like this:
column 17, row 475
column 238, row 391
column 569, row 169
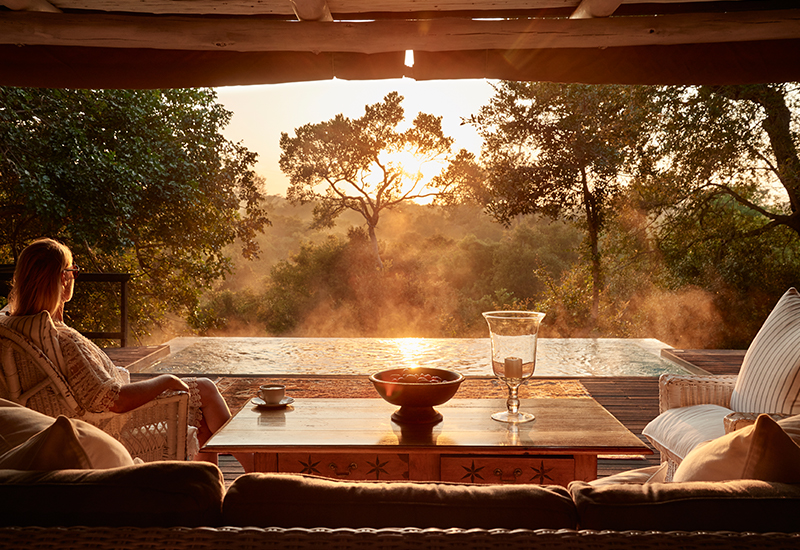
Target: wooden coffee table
column 356, row 439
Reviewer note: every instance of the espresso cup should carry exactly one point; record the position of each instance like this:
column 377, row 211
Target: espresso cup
column 272, row 394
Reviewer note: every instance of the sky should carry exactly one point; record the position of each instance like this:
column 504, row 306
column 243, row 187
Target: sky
column 261, row 113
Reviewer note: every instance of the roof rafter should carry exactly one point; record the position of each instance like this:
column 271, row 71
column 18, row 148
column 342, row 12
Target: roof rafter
column 261, row 35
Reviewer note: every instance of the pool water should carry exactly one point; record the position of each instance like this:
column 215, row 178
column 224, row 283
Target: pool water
column 356, row 356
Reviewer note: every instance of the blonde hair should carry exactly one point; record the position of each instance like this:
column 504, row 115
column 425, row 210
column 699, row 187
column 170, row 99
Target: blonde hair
column 37, row 284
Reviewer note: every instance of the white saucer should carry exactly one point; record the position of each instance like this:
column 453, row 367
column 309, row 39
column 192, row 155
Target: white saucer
column 261, row 403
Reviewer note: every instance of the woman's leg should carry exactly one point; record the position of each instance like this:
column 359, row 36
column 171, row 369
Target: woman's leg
column 215, row 414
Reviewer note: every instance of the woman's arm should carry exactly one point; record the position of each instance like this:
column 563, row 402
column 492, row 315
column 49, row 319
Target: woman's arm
column 137, row 394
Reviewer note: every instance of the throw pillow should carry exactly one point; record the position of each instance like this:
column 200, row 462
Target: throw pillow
column 640, row 476
column 55, row 448
column 791, row 426
column 676, row 432
column 18, row 424
column 769, row 379
column 762, row 451
column 30, row 440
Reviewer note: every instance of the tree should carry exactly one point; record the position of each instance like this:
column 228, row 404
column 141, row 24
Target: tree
column 362, row 164
column 561, row 150
column 730, row 147
column 133, row 180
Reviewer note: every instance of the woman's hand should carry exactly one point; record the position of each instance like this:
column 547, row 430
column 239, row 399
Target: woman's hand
column 137, row 394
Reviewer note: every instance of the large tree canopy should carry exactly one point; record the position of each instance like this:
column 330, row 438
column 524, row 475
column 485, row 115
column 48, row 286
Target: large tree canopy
column 364, row 164
column 139, row 181
column 562, row 150
column 727, row 145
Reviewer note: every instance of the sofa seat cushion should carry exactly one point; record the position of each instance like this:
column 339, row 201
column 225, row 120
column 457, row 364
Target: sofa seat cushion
column 741, row 505
column 676, row 432
column 282, row 500
column 158, row 494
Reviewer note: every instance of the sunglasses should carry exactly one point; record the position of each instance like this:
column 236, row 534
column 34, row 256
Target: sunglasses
column 73, row 269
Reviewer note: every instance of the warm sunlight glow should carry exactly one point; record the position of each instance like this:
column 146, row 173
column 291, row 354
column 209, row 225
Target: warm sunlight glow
column 261, row 113
column 415, row 172
column 411, row 349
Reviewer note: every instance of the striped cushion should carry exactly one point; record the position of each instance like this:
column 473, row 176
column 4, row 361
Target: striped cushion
column 41, row 331
column 769, row 380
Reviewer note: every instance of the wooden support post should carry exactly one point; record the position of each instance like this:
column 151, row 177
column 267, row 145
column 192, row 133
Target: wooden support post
column 123, row 313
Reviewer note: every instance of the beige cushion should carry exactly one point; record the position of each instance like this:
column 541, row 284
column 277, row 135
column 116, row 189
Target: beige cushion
column 769, row 379
column 30, row 440
column 17, row 424
column 155, row 494
column 677, row 431
column 741, row 505
column 639, row 476
column 283, row 500
column 761, row 451
column 791, row 426
column 41, row 331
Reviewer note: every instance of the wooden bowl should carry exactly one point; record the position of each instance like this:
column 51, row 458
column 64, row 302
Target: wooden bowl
column 417, row 399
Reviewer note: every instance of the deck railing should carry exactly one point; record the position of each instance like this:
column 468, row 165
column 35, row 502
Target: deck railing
column 7, row 272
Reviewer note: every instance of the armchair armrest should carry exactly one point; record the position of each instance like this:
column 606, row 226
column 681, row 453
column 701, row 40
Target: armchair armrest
column 154, row 431
column 738, row 420
column 675, row 390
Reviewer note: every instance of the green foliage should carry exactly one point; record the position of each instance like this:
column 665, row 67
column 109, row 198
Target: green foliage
column 727, row 148
column 312, row 275
column 227, row 313
column 434, row 285
column 560, row 150
column 133, row 181
column 722, row 200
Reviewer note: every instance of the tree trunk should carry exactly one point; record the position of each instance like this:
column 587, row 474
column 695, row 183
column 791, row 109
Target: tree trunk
column 777, row 125
column 593, row 227
column 374, row 240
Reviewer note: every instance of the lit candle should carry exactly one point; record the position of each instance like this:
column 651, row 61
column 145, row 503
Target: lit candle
column 513, row 367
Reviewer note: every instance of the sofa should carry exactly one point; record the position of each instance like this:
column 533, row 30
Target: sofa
column 104, row 498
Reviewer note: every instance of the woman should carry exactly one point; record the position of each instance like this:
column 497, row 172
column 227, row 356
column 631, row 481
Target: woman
column 44, row 280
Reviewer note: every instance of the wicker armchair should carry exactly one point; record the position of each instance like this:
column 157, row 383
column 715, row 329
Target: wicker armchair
column 680, row 391
column 675, row 390
column 696, row 409
column 154, row 431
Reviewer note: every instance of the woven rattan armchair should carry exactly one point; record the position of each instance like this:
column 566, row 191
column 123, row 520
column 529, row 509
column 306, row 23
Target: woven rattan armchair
column 154, row 431
column 676, row 391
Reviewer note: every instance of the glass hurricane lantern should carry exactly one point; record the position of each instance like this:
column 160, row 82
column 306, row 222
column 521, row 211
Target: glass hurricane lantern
column 513, row 335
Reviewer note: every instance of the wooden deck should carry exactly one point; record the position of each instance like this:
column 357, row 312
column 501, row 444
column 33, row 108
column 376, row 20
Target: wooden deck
column 712, row 361
column 632, row 400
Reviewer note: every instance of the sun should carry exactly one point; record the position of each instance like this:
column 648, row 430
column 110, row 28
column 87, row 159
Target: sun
column 414, row 172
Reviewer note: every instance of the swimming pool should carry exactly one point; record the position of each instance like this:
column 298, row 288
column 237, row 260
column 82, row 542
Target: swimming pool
column 556, row 357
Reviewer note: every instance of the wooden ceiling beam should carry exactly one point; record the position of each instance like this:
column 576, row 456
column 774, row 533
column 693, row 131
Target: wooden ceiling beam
column 282, row 7
column 30, row 5
column 255, row 34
